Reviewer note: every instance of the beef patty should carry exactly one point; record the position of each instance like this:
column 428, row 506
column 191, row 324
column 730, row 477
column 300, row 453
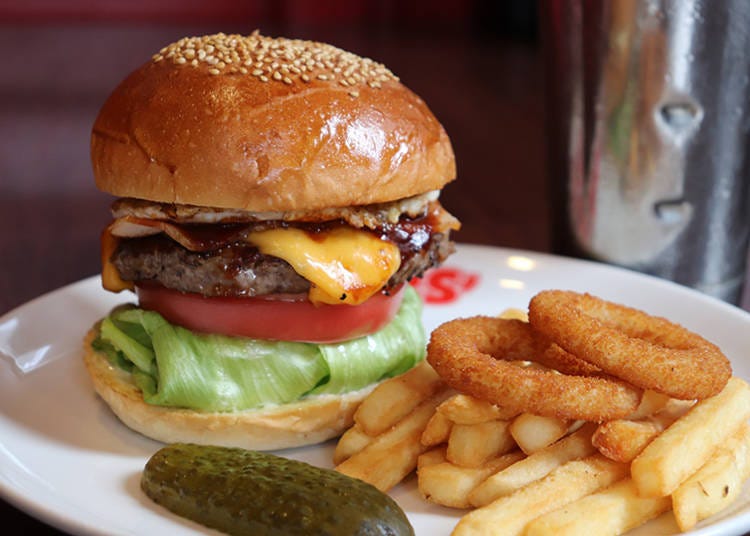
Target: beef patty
column 239, row 269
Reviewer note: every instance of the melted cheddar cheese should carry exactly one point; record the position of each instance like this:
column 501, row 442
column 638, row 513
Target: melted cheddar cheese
column 111, row 279
column 344, row 265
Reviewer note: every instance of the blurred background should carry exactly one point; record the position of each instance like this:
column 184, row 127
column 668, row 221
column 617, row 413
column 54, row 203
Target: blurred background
column 475, row 62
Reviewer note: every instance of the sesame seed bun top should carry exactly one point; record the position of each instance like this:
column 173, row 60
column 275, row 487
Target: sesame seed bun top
column 266, row 124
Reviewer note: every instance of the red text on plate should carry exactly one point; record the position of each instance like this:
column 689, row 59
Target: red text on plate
column 441, row 286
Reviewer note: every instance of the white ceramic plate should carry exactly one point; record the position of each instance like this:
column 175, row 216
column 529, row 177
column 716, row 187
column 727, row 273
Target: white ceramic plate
column 67, row 460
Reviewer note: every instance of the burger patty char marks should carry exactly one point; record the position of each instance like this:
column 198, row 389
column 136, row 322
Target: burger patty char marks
column 239, row 269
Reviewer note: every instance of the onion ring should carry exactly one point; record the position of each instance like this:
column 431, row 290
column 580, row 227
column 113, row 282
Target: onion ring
column 551, row 355
column 647, row 351
column 472, row 355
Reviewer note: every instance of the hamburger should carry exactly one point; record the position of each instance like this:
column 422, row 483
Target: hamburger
column 273, row 199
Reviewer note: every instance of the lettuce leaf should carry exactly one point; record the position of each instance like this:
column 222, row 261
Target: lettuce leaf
column 178, row 368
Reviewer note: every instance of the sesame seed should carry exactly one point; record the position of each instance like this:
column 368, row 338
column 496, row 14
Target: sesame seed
column 287, row 60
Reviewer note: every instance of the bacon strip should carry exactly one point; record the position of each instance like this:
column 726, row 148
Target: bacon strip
column 191, row 237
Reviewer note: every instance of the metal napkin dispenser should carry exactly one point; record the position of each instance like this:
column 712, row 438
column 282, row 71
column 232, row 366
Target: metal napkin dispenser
column 648, row 121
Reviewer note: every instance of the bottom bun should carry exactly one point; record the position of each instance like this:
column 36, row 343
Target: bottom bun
column 312, row 420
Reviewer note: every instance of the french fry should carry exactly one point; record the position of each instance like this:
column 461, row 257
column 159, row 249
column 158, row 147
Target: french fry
column 465, row 409
column 431, row 457
column 393, row 455
column 513, row 313
column 507, row 516
column 534, row 432
column 534, row 467
column 386, row 465
column 437, row 431
column 395, row 398
column 350, row 442
column 471, row 445
column 651, row 402
column 449, row 484
column 624, row 439
column 716, row 485
column 684, row 447
column 610, row 512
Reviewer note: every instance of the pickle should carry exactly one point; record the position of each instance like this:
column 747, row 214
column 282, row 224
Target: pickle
column 240, row 491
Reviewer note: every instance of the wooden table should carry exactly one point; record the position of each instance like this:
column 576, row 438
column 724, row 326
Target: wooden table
column 487, row 93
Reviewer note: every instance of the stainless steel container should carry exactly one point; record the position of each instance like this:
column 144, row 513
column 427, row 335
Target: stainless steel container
column 648, row 119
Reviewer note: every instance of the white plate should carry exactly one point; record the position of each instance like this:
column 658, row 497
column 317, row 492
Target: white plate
column 67, row 460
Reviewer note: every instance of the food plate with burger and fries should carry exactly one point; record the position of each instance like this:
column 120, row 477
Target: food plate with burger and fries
column 67, row 460
column 282, row 278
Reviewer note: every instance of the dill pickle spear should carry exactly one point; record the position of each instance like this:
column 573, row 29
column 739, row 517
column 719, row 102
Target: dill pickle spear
column 240, row 491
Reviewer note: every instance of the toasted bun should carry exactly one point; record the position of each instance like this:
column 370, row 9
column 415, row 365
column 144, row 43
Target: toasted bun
column 302, row 423
column 266, row 124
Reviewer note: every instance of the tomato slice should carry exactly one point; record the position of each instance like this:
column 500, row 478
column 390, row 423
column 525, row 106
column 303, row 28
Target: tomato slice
column 268, row 318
